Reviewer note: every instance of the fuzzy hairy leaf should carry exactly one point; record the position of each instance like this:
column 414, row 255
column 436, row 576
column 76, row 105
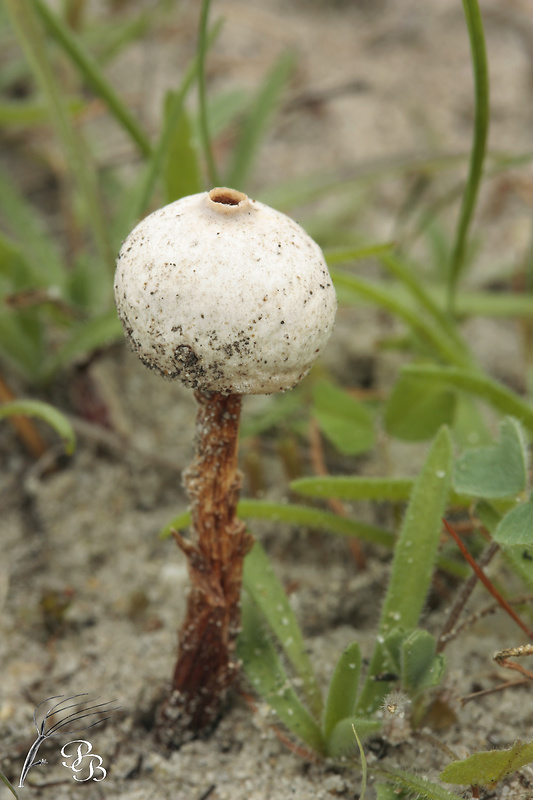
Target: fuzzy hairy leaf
column 346, row 423
column 499, row 470
column 487, row 769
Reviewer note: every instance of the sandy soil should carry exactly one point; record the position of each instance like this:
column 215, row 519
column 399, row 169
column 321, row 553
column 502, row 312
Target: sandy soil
column 85, row 535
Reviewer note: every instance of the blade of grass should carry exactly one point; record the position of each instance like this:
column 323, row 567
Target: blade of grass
column 257, row 120
column 202, row 94
column 269, row 679
column 492, row 392
column 182, row 175
column 343, row 688
column 439, row 342
column 476, row 35
column 8, row 784
column 315, row 520
column 341, row 255
column 291, row 514
column 415, row 557
column 65, row 37
column 267, row 592
column 46, row 412
column 141, row 194
column 38, row 248
column 23, row 16
column 29, row 112
column 416, row 786
column 355, row 488
column 415, row 286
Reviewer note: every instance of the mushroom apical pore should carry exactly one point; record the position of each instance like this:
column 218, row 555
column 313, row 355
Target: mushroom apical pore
column 225, row 293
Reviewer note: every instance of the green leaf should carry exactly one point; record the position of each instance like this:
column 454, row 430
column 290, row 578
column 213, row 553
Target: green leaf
column 487, row 769
column 8, row 784
column 345, row 422
column 22, row 342
column 515, row 529
column 38, row 250
column 415, row 555
column 386, row 791
column 277, row 410
column 392, row 301
column 421, row 668
column 257, row 120
column 182, row 173
column 293, row 514
column 499, row 470
column 341, row 255
column 418, row 787
column 488, row 390
column 267, row 676
column 92, row 74
column 476, row 35
column 355, row 488
column 417, row 408
column 341, row 742
column 469, row 427
column 46, row 412
column 343, row 688
column 265, row 589
column 85, row 338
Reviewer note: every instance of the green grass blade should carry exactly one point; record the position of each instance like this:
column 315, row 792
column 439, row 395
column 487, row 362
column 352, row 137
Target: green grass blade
column 355, row 487
column 22, row 341
column 267, row 592
column 315, row 519
column 65, row 37
column 86, row 337
column 269, row 679
column 418, row 787
column 46, row 412
column 297, row 515
column 342, row 255
column 182, row 174
column 343, row 688
column 414, row 561
column 8, row 784
column 37, row 247
column 341, row 743
column 364, row 768
column 385, row 298
column 30, row 112
column 476, row 34
column 393, row 490
column 257, row 120
column 415, row 286
column 23, row 16
column 202, row 94
column 141, row 195
column 488, row 390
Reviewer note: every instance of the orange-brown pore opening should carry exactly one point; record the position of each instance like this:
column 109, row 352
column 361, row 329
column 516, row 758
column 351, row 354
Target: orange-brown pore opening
column 226, row 197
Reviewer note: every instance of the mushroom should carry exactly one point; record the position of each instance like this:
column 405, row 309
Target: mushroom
column 230, row 297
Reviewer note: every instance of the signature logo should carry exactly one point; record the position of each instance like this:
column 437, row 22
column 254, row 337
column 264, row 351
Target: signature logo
column 58, row 721
column 77, row 764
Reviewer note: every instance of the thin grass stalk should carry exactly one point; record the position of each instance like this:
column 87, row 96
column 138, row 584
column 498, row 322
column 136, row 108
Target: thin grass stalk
column 481, row 127
column 91, row 72
column 142, row 196
column 202, row 95
column 23, row 15
column 446, row 349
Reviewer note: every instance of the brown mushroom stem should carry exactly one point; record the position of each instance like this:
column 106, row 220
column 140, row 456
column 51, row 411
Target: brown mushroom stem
column 206, row 664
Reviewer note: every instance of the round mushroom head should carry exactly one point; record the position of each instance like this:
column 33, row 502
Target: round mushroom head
column 225, row 294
